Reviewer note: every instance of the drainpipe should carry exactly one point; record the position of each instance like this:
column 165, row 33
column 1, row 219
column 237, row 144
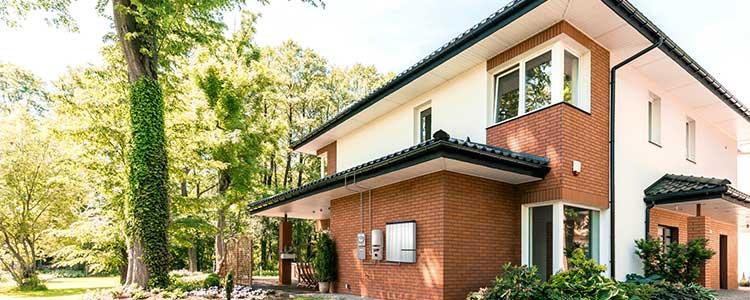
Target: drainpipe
column 648, row 220
column 612, row 85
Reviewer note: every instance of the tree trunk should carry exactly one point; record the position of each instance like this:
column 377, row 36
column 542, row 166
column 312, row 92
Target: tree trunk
column 288, row 168
column 137, row 271
column 193, row 258
column 300, row 170
column 219, row 241
column 124, row 267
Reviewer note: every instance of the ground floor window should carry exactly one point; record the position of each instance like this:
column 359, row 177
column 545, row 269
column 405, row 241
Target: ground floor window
column 668, row 235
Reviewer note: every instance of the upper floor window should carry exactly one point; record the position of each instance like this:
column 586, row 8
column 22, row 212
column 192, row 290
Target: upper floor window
column 552, row 74
column 425, row 124
column 323, row 164
column 654, row 120
column 690, row 139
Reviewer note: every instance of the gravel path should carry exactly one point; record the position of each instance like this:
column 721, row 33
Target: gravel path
column 740, row 294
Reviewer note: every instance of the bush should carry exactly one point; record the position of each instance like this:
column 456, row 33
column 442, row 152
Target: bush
column 229, row 286
column 744, row 282
column 212, row 280
column 32, row 283
column 679, row 291
column 675, row 263
column 324, row 261
column 583, row 280
column 516, row 282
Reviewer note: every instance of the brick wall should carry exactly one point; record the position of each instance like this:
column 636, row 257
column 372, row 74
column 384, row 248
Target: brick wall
column 330, row 151
column 562, row 132
column 467, row 227
column 669, row 218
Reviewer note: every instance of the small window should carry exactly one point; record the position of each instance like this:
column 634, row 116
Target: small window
column 570, row 82
column 506, row 88
column 581, row 231
column 539, row 82
column 668, row 235
column 425, row 125
column 401, row 242
column 323, row 164
column 654, row 120
column 690, row 139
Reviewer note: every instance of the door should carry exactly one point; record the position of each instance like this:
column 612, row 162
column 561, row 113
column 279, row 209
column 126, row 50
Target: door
column 723, row 262
column 541, row 239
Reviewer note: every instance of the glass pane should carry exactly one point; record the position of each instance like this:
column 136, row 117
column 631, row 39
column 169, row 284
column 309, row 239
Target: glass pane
column 538, row 82
column 541, row 239
column 425, row 125
column 507, row 96
column 570, row 88
column 578, row 223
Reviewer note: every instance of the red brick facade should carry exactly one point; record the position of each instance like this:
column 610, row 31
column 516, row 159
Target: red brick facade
column 562, row 132
column 467, row 227
column 330, row 151
column 692, row 227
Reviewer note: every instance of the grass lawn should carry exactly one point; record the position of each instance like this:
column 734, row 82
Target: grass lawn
column 60, row 288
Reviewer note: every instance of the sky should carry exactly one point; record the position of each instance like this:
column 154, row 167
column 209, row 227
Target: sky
column 393, row 35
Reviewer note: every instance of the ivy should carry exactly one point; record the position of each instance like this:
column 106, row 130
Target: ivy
column 148, row 212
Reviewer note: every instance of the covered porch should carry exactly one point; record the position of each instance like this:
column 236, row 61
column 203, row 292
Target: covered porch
column 682, row 208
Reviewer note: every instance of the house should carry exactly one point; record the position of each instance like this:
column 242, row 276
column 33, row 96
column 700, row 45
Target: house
column 548, row 126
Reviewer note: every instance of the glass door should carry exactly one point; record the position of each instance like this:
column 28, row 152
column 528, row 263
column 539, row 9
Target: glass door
column 540, row 239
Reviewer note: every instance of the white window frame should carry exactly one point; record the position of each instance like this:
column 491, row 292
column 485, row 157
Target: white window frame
column 417, row 120
column 558, row 46
column 558, row 229
column 323, row 164
column 401, row 255
column 654, row 119
column 691, row 129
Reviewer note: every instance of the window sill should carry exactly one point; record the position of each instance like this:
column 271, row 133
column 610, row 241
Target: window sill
column 655, row 144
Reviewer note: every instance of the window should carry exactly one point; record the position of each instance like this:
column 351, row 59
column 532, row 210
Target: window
column 541, row 230
column 580, row 227
column 690, row 139
column 555, row 74
column 323, row 164
column 570, row 80
column 401, row 242
column 668, row 235
column 425, row 124
column 654, row 120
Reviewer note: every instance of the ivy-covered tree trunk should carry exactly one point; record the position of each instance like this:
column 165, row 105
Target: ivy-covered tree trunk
column 147, row 210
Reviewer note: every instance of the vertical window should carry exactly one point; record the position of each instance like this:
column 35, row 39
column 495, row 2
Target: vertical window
column 506, row 89
column 580, row 227
column 425, row 125
column 570, row 78
column 401, row 242
column 323, row 164
column 654, row 120
column 540, row 239
column 690, row 139
column 538, row 82
column 668, row 235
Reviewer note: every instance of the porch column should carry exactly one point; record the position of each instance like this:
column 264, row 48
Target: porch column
column 699, row 227
column 285, row 240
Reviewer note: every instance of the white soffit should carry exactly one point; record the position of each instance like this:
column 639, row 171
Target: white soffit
column 318, row 205
column 717, row 209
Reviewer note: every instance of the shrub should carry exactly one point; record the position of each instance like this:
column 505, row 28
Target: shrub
column 229, row 286
column 679, row 291
column 676, row 262
column 212, row 280
column 32, row 283
column 516, row 282
column 744, row 282
column 324, row 262
column 187, row 281
column 583, row 280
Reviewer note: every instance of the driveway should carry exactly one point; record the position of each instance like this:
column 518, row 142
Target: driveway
column 740, row 294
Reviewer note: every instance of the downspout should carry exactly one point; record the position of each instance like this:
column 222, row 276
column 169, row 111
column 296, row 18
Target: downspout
column 649, row 206
column 612, row 97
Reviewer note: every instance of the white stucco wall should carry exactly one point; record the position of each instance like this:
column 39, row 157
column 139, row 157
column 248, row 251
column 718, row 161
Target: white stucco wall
column 459, row 106
column 743, row 238
column 640, row 163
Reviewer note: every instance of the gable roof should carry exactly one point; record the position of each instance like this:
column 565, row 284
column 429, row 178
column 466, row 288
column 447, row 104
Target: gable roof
column 672, row 188
column 504, row 16
column 441, row 145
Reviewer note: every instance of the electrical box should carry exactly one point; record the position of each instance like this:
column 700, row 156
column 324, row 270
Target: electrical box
column 361, row 245
column 377, row 244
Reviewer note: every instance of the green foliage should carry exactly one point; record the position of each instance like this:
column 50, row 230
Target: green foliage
column 324, row 262
column 516, row 282
column 229, row 286
column 678, row 263
column 583, row 280
column 12, row 12
column 212, row 280
column 744, row 282
column 679, row 291
column 21, row 86
column 186, row 281
column 32, row 284
column 148, row 210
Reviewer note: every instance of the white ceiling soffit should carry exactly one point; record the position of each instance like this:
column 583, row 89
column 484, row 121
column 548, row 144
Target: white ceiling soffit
column 318, row 205
column 717, row 209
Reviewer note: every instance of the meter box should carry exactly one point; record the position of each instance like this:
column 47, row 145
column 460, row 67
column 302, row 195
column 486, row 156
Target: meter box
column 361, row 245
column 377, row 244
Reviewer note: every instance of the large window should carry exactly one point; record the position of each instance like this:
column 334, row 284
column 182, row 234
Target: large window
column 690, row 139
column 654, row 119
column 552, row 75
column 668, row 235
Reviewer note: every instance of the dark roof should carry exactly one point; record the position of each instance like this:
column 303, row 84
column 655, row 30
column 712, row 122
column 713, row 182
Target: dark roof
column 476, row 33
column 441, row 145
column 682, row 188
column 504, row 16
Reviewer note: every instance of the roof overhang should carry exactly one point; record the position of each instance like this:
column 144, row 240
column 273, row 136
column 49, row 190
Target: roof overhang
column 312, row 201
column 618, row 26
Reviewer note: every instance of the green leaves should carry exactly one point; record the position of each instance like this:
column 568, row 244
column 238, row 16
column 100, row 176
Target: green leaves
column 678, row 263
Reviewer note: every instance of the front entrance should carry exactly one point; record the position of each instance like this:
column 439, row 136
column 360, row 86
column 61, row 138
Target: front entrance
column 723, row 262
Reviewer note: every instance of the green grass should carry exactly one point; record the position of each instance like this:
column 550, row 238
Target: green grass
column 60, row 288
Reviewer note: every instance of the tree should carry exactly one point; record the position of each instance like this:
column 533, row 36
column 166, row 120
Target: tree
column 36, row 192
column 20, row 86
